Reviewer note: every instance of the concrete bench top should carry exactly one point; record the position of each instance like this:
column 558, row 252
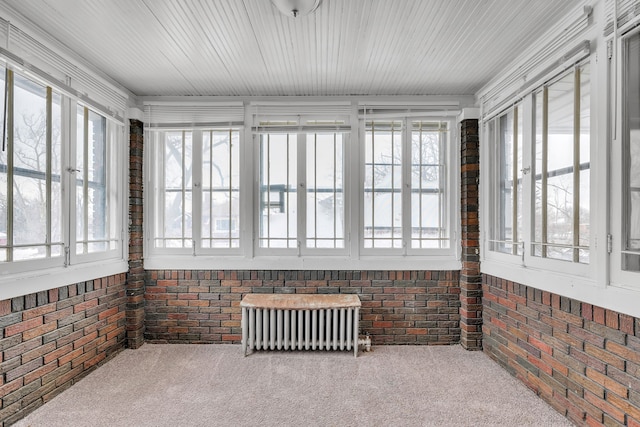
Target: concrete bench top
column 299, row 301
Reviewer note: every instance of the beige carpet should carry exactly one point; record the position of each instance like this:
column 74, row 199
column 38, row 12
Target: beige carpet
column 214, row 385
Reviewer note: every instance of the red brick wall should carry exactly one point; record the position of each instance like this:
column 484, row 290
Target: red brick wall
column 406, row 307
column 582, row 359
column 51, row 339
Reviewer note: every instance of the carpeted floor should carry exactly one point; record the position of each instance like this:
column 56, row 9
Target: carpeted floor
column 214, row 385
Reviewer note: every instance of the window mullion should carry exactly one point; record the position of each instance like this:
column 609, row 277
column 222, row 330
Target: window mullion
column 49, row 156
column 10, row 144
column 196, row 184
column 85, row 183
column 545, row 142
column 514, row 186
column 405, row 186
column 302, row 192
column 576, row 166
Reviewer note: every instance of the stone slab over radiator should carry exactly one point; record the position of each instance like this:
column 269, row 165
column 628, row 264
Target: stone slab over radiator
column 300, row 322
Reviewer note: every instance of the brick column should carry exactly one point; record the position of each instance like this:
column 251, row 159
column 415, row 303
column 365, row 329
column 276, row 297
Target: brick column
column 470, row 278
column 135, row 276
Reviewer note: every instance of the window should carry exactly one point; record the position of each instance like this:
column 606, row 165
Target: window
column 562, row 168
column 197, row 189
column 506, row 134
column 413, row 155
column 631, row 158
column 220, row 189
column 39, row 223
column 174, row 203
column 301, row 191
column 309, row 219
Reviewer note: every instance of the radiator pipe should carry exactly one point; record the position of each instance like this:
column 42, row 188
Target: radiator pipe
column 365, row 342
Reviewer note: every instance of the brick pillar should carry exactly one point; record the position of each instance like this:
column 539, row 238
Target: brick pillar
column 135, row 276
column 470, row 278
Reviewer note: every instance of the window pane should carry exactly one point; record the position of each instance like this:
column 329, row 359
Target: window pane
column 428, row 216
column 174, row 201
column 383, row 185
column 3, row 178
column 278, row 197
column 538, row 171
column 585, row 164
column 36, row 215
column 325, row 190
column 220, row 187
column 563, row 172
column 631, row 194
column 560, row 168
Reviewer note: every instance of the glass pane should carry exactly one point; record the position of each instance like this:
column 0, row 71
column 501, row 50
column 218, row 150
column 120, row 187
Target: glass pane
column 97, row 183
column 585, row 165
column 30, row 169
column 538, row 170
column 383, row 185
column 278, row 197
column 428, row 149
column 631, row 221
column 79, row 174
column 3, row 178
column 504, row 214
column 560, row 171
column 518, row 152
column 325, row 207
column 220, row 172
column 176, row 203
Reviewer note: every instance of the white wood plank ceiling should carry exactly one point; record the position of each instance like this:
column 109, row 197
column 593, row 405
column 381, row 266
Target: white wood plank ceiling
column 248, row 48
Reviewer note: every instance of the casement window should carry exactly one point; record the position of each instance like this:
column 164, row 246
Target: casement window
column 561, row 169
column 506, row 135
column 299, row 190
column 301, row 187
column 196, row 198
column 60, row 188
column 626, row 248
column 406, row 193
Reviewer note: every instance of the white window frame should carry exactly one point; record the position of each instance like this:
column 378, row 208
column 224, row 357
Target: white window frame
column 351, row 257
column 496, row 263
column 451, row 195
column 36, row 275
column 301, row 183
column 154, row 146
column 620, row 278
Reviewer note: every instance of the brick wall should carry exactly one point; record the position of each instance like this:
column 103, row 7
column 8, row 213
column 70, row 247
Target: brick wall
column 582, row 359
column 470, row 278
column 53, row 338
column 408, row 307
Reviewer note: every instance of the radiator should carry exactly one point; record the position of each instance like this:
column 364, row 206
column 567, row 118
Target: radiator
column 300, row 322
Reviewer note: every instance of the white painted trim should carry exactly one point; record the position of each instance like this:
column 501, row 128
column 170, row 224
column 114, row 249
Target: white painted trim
column 42, row 280
column 581, row 289
column 166, row 262
column 469, row 114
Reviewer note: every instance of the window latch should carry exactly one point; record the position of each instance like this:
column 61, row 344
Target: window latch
column 609, row 243
column 67, row 260
column 72, row 170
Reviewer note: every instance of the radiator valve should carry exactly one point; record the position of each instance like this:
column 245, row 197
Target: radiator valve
column 365, row 342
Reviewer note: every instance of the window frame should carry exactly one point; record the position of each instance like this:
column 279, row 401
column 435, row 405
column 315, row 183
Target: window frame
column 301, row 250
column 451, row 194
column 619, row 277
column 69, row 267
column 492, row 260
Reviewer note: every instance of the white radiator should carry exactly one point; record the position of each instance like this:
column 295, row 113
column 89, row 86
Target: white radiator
column 300, row 322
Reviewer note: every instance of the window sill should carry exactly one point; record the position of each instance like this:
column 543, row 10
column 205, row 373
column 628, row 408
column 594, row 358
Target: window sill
column 14, row 285
column 189, row 262
column 580, row 288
